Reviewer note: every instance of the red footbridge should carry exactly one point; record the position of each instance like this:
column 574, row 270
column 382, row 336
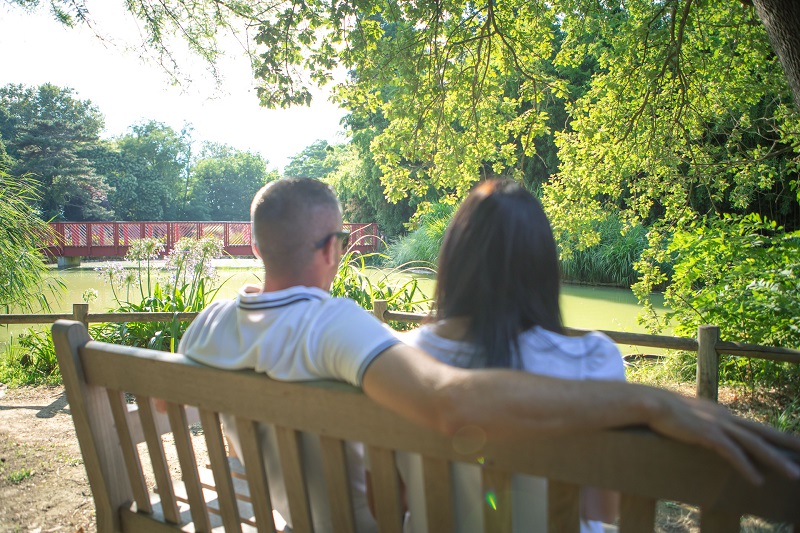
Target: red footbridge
column 112, row 239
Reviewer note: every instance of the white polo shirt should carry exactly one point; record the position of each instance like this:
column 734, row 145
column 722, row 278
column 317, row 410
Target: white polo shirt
column 297, row 334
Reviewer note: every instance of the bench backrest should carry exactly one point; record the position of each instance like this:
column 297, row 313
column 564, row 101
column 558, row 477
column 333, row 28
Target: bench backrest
column 99, row 377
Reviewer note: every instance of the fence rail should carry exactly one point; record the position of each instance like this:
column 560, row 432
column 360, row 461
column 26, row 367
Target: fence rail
column 707, row 345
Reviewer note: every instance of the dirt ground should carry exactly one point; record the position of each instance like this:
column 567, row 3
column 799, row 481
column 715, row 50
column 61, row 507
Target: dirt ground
column 43, row 485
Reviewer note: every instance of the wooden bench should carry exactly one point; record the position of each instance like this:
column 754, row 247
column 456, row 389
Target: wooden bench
column 643, row 466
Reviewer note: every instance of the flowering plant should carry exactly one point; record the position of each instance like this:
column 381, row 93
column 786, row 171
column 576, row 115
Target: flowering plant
column 186, row 281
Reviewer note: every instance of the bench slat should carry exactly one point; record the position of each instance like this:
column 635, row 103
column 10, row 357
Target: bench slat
column 636, row 513
column 158, row 460
column 293, row 478
column 186, row 457
column 563, row 507
column 154, row 523
column 119, row 411
column 386, row 489
column 218, row 458
column 243, row 503
column 436, row 477
column 256, row 473
column 497, row 499
column 714, row 522
column 334, row 465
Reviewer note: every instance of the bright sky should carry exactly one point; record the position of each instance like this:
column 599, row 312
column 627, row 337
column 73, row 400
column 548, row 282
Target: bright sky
column 37, row 50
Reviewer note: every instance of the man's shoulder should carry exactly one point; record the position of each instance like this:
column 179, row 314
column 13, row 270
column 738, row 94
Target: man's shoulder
column 214, row 314
column 346, row 304
column 214, row 309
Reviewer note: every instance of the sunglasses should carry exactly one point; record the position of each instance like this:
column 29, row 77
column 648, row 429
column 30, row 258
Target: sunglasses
column 343, row 236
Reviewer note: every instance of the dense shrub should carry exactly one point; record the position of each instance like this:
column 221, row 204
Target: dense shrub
column 30, row 359
column 610, row 262
column 743, row 275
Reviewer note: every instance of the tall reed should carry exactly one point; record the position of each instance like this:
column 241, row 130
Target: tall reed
column 424, row 242
column 611, row 261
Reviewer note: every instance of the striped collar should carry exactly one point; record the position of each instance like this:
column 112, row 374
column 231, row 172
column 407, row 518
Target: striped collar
column 251, row 297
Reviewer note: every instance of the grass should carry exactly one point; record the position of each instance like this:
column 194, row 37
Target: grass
column 422, row 244
column 786, row 418
column 776, row 406
column 18, row 476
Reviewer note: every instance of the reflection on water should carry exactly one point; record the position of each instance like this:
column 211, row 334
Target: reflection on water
column 582, row 306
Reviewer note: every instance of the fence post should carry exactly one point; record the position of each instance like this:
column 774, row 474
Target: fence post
column 707, row 362
column 379, row 308
column 81, row 313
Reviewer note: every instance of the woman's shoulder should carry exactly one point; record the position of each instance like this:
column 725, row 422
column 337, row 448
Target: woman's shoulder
column 457, row 353
column 594, row 353
column 575, row 345
column 424, row 337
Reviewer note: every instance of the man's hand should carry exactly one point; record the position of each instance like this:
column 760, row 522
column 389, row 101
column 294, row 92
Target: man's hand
column 741, row 442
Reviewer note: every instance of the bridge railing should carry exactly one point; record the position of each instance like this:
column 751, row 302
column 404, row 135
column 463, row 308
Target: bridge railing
column 707, row 345
column 112, row 239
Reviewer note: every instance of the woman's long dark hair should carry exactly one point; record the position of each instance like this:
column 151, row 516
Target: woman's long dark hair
column 498, row 268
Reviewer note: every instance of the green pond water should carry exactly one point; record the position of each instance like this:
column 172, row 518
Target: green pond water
column 582, row 306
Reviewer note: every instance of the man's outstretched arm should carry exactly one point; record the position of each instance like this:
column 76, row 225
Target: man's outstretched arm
column 507, row 402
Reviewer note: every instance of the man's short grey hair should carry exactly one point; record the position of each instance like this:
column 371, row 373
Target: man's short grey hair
column 284, row 216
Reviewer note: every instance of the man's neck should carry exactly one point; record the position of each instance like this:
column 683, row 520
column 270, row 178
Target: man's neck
column 279, row 283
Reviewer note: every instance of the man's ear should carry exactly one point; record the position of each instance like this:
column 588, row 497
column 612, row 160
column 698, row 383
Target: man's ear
column 254, row 247
column 329, row 251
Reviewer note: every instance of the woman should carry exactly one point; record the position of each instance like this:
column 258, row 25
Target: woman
column 497, row 305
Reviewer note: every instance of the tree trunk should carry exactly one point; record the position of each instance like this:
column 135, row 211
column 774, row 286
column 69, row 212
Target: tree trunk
column 781, row 18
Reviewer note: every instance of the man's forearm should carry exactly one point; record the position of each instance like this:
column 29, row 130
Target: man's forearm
column 502, row 402
column 508, row 403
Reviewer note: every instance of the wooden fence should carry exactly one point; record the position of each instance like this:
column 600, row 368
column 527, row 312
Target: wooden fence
column 707, row 344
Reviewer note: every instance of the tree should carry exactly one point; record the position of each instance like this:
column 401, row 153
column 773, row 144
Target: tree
column 223, row 181
column 311, row 162
column 696, row 118
column 781, row 19
column 683, row 86
column 357, row 180
column 5, row 160
column 147, row 167
column 48, row 133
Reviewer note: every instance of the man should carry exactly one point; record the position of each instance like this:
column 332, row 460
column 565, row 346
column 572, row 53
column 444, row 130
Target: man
column 292, row 329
